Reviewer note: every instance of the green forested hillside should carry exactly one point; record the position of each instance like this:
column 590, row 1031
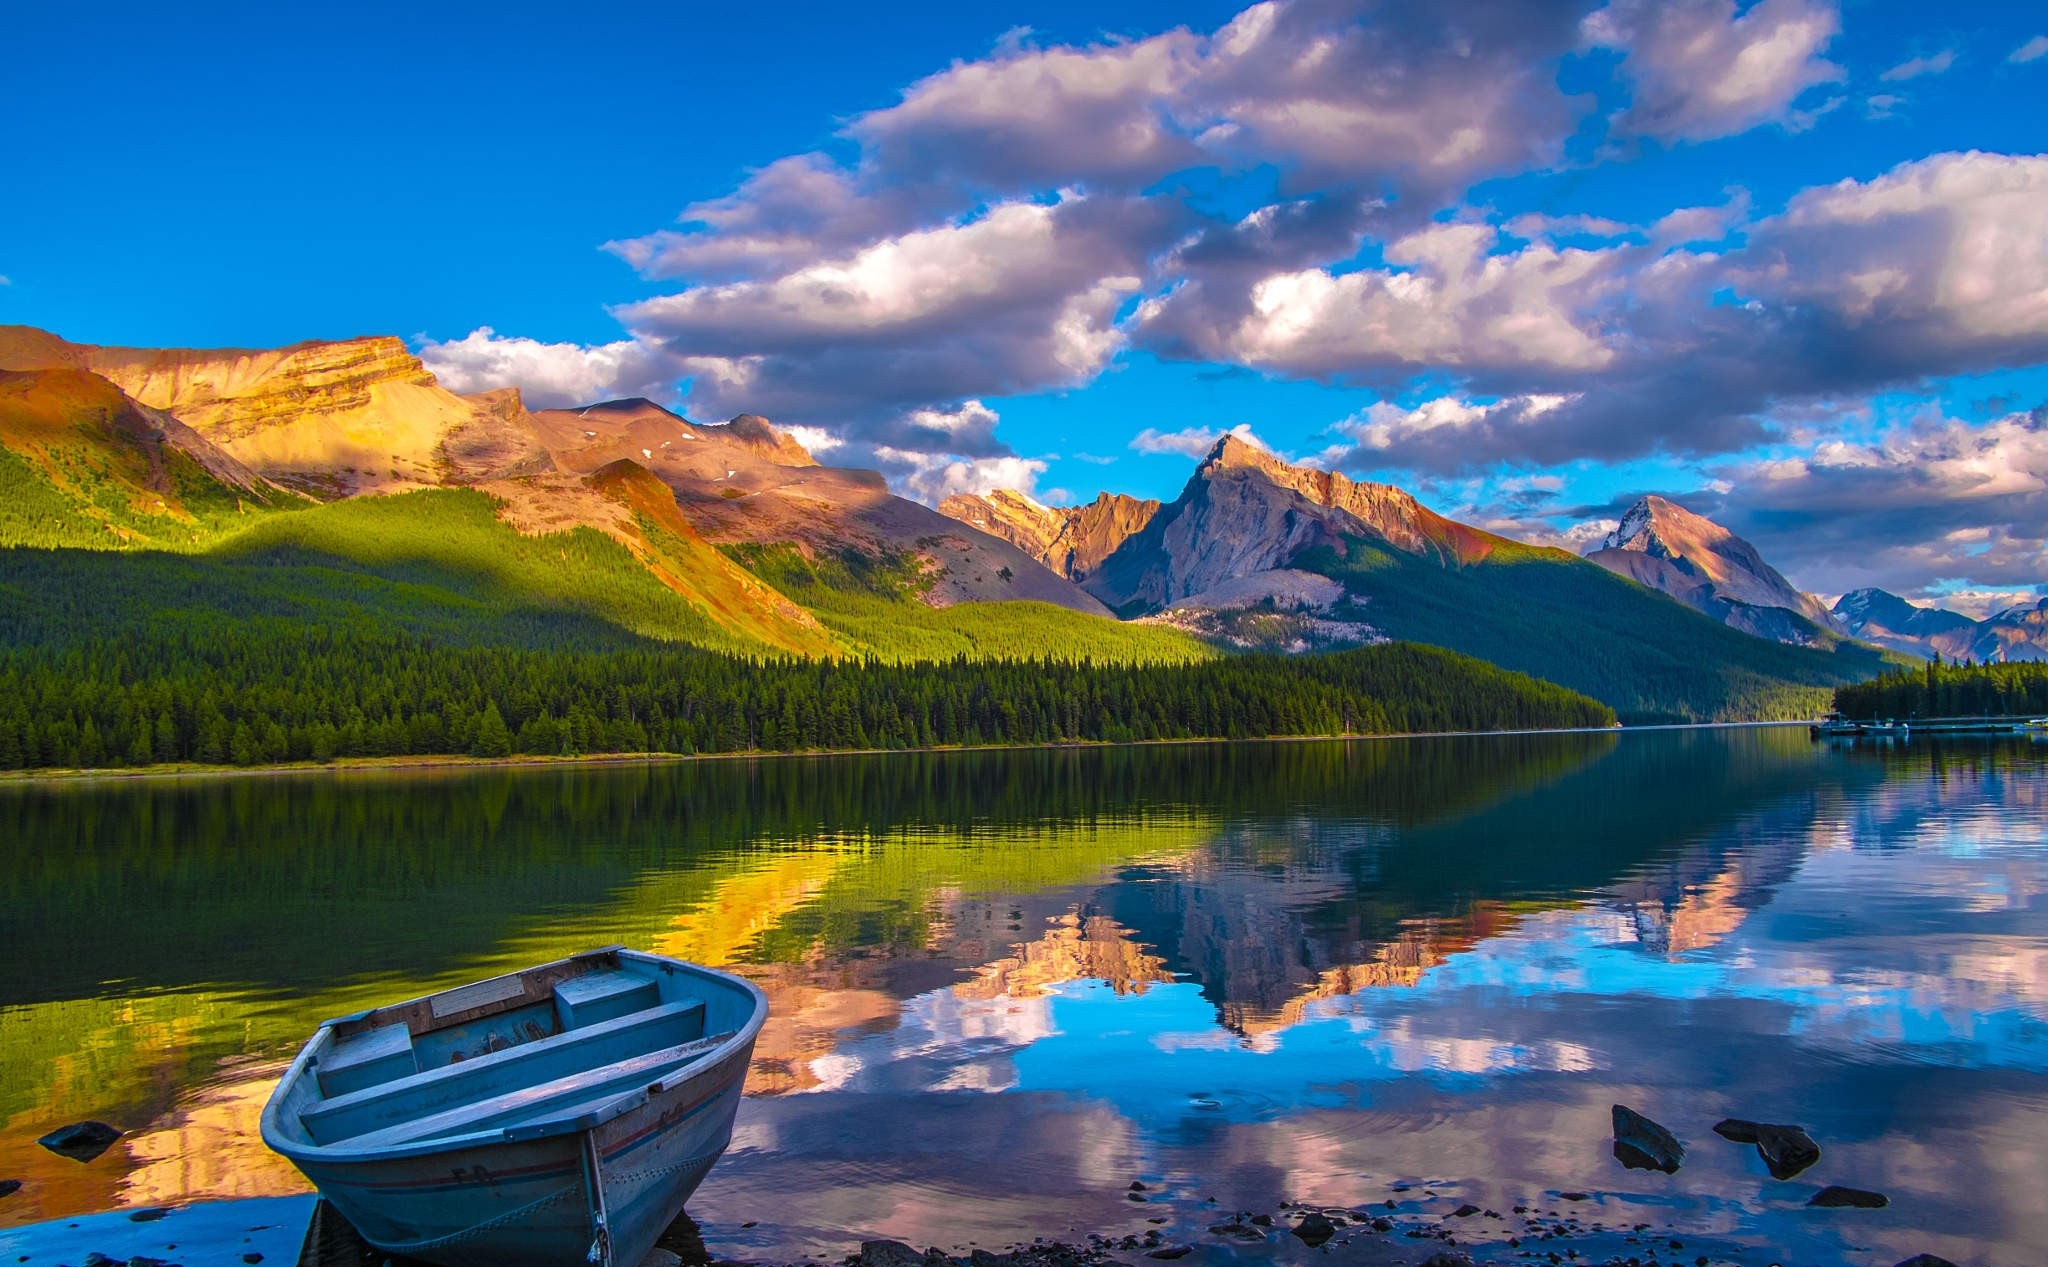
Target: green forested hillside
column 875, row 605
column 272, row 688
column 1541, row 612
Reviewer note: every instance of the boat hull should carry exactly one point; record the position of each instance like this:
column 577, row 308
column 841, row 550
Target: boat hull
column 530, row 1201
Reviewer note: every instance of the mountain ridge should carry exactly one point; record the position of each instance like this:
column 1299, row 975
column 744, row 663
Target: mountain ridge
column 1887, row 620
column 1662, row 545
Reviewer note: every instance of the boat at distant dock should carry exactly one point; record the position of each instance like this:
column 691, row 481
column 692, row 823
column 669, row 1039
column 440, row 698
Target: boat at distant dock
column 1836, row 726
column 562, row 1114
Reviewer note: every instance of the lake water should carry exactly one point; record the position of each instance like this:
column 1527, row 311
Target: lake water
column 1006, row 985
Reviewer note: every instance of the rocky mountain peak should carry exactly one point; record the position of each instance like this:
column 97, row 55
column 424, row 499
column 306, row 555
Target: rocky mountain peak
column 1661, row 544
column 1233, row 450
column 1071, row 540
column 1665, row 530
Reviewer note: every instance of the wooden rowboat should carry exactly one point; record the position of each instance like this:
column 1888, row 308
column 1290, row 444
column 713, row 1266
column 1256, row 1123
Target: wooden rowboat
column 553, row 1116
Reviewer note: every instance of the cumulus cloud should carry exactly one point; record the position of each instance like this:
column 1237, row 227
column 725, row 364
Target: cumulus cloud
column 1419, row 97
column 1978, row 603
column 1449, row 301
column 1701, row 71
column 931, row 478
column 2032, row 51
column 783, row 217
column 1915, row 67
column 1937, row 267
column 1021, row 298
column 1035, row 118
column 551, row 375
column 990, row 232
column 1932, row 501
column 1949, row 250
column 1439, row 433
column 1193, row 442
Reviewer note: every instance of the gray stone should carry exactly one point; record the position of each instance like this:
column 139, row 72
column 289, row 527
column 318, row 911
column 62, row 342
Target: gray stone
column 1641, row 1144
column 1926, row 1260
column 1737, row 1130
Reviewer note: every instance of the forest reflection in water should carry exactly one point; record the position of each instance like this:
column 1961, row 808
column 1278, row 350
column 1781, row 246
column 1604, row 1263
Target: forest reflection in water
column 1008, row 983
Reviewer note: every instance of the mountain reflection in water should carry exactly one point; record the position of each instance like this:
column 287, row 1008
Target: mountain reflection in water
column 1006, row 984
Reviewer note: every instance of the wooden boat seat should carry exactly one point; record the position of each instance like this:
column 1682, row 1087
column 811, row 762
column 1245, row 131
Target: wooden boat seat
column 563, row 1097
column 602, row 996
column 371, row 1057
column 531, row 1064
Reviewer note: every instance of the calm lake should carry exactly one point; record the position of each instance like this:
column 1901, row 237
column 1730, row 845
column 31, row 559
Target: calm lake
column 1006, row 985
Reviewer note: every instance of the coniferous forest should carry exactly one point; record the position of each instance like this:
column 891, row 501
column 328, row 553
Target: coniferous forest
column 272, row 695
column 1949, row 690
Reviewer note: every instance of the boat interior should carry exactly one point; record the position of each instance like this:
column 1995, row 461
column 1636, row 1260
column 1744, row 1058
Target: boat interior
column 525, row 1054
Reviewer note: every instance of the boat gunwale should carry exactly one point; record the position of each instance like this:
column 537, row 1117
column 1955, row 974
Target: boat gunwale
column 271, row 1122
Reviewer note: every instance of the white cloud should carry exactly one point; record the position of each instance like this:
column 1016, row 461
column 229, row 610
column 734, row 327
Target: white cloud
column 2032, row 51
column 1193, row 442
column 1035, row 118
column 1701, row 71
column 1915, row 67
column 931, row 478
column 1940, row 253
column 1448, row 302
column 1021, row 298
column 1979, row 603
column 550, row 374
column 1386, row 433
column 1927, row 502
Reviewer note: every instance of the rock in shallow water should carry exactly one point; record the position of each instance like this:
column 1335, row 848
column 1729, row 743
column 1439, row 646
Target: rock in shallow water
column 1738, row 1130
column 8, row 1187
column 889, row 1254
column 80, row 1141
column 1641, row 1144
column 1787, row 1150
column 1835, row 1197
column 1314, row 1229
column 1925, row 1260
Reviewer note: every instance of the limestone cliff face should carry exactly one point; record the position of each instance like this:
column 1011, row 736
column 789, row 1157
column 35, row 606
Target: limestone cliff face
column 1247, row 512
column 746, row 483
column 1703, row 565
column 1071, row 540
column 330, row 418
column 1391, row 513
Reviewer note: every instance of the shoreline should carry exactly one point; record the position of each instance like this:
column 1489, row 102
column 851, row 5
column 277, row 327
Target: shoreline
column 530, row 761
column 1416, row 1229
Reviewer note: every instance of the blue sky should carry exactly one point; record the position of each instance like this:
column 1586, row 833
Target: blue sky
column 1063, row 247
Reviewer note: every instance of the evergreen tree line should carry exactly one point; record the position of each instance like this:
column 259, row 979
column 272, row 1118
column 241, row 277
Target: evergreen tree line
column 265, row 695
column 1949, row 690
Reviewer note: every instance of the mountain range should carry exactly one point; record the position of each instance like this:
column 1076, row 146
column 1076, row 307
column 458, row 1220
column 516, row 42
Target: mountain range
column 464, row 515
column 1885, row 619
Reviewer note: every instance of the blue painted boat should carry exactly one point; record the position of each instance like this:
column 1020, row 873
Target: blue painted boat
column 558, row 1115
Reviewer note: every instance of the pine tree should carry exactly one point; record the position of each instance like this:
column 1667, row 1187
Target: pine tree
column 493, row 737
